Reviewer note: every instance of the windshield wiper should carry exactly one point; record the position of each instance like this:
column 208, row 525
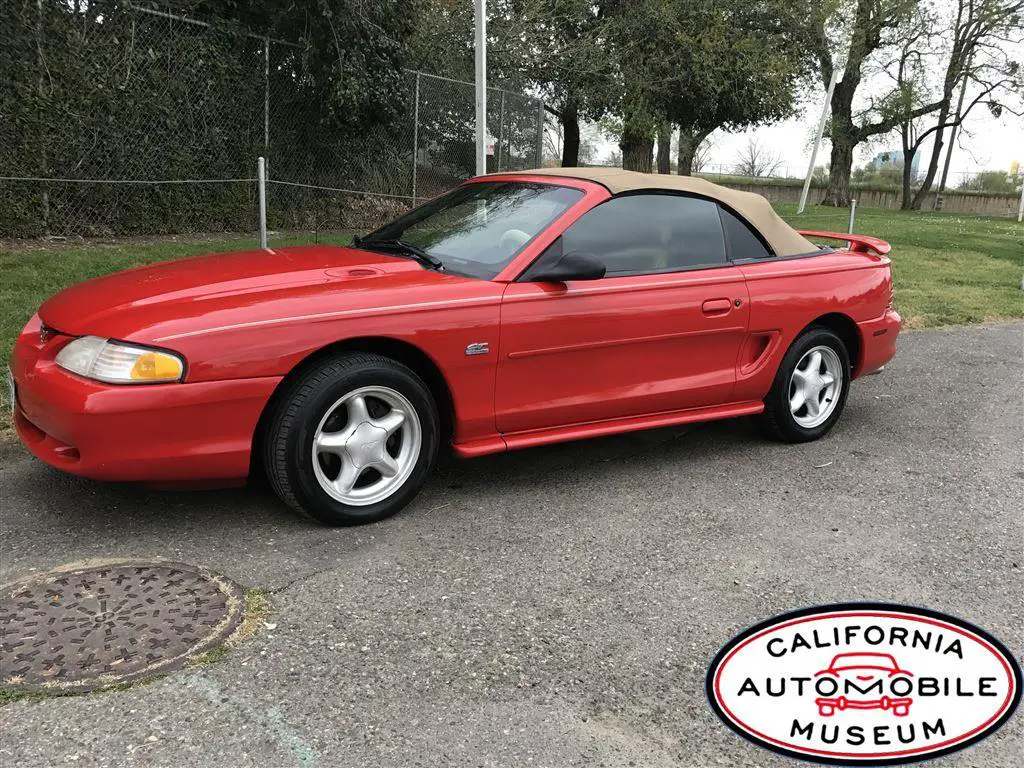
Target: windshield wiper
column 403, row 247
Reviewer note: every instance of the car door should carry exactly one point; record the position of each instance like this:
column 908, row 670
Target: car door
column 660, row 332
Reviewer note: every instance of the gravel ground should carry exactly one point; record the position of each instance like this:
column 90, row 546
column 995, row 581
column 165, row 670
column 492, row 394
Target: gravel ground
column 558, row 606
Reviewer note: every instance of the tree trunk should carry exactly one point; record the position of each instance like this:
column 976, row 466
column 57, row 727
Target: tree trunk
column 689, row 143
column 570, row 135
column 841, row 167
column 843, row 134
column 637, row 147
column 906, row 197
column 684, row 161
column 637, row 153
column 933, row 164
column 909, row 150
column 665, row 147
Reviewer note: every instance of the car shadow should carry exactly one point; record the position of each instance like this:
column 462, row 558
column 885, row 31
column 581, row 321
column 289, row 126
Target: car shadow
column 78, row 500
column 585, row 457
column 51, row 518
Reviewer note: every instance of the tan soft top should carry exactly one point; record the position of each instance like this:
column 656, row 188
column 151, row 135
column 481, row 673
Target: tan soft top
column 783, row 239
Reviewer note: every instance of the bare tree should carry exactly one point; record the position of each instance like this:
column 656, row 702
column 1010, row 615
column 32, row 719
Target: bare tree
column 876, row 26
column 867, row 26
column 977, row 63
column 757, row 161
column 554, row 141
column 700, row 156
column 690, row 143
column 553, row 136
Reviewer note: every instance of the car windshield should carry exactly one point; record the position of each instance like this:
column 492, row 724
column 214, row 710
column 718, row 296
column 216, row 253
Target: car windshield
column 476, row 229
column 864, row 661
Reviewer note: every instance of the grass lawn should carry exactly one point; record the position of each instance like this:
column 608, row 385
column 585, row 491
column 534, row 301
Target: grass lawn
column 948, row 268
column 31, row 271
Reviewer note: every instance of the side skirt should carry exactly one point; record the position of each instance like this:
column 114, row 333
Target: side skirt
column 529, row 439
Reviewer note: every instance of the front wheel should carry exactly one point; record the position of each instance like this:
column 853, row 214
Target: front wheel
column 810, row 388
column 352, row 439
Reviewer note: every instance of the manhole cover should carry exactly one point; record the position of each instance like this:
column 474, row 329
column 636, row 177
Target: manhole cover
column 89, row 628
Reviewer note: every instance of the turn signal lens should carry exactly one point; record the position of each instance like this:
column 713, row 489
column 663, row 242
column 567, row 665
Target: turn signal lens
column 116, row 363
column 156, row 366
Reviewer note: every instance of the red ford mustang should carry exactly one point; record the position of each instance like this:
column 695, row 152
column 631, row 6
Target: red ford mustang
column 516, row 310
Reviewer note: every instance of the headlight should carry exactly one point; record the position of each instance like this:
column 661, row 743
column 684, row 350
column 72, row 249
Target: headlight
column 116, row 363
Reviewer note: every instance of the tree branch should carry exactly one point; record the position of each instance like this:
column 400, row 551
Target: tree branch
column 956, row 121
column 889, row 123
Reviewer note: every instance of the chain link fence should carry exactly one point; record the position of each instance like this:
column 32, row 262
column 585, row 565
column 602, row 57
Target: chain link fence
column 120, row 120
column 427, row 151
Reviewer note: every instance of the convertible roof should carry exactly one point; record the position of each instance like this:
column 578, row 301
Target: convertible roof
column 784, row 240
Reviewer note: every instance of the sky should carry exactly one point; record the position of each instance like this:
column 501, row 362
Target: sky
column 986, row 143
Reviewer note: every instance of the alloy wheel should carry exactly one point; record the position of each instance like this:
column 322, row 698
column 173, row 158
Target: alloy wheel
column 815, row 386
column 366, row 445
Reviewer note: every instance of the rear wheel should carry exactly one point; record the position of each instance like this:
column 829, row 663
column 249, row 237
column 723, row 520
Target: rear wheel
column 352, row 439
column 810, row 388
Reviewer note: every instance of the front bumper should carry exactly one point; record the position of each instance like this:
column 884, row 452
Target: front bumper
column 900, row 706
column 154, row 432
column 878, row 342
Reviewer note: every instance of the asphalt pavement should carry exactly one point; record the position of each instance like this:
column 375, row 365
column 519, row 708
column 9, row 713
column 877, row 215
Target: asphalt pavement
column 558, row 606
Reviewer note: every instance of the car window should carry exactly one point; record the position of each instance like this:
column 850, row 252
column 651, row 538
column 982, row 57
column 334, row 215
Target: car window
column 478, row 228
column 649, row 233
column 743, row 243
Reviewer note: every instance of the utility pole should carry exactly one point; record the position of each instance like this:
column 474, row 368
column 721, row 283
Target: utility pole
column 817, row 139
column 480, row 17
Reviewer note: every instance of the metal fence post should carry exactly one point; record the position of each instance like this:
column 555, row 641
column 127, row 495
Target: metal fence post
column 480, row 68
column 853, row 212
column 261, row 182
column 415, row 137
column 540, row 133
column 266, row 95
column 501, row 132
column 44, row 171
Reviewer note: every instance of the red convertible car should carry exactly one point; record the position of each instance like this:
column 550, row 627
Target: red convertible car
column 516, row 310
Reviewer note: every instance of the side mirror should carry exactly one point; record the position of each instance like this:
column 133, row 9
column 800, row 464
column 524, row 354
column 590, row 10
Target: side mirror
column 570, row 266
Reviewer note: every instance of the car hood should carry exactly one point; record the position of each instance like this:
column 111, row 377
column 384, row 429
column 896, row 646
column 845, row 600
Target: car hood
column 186, row 295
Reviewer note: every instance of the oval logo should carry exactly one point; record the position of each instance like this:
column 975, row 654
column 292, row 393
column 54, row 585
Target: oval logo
column 864, row 683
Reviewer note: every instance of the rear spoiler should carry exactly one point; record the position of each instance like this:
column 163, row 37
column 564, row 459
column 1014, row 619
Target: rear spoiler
column 858, row 243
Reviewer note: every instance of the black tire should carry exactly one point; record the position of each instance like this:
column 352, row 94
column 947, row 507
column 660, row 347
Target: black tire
column 777, row 420
column 297, row 412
